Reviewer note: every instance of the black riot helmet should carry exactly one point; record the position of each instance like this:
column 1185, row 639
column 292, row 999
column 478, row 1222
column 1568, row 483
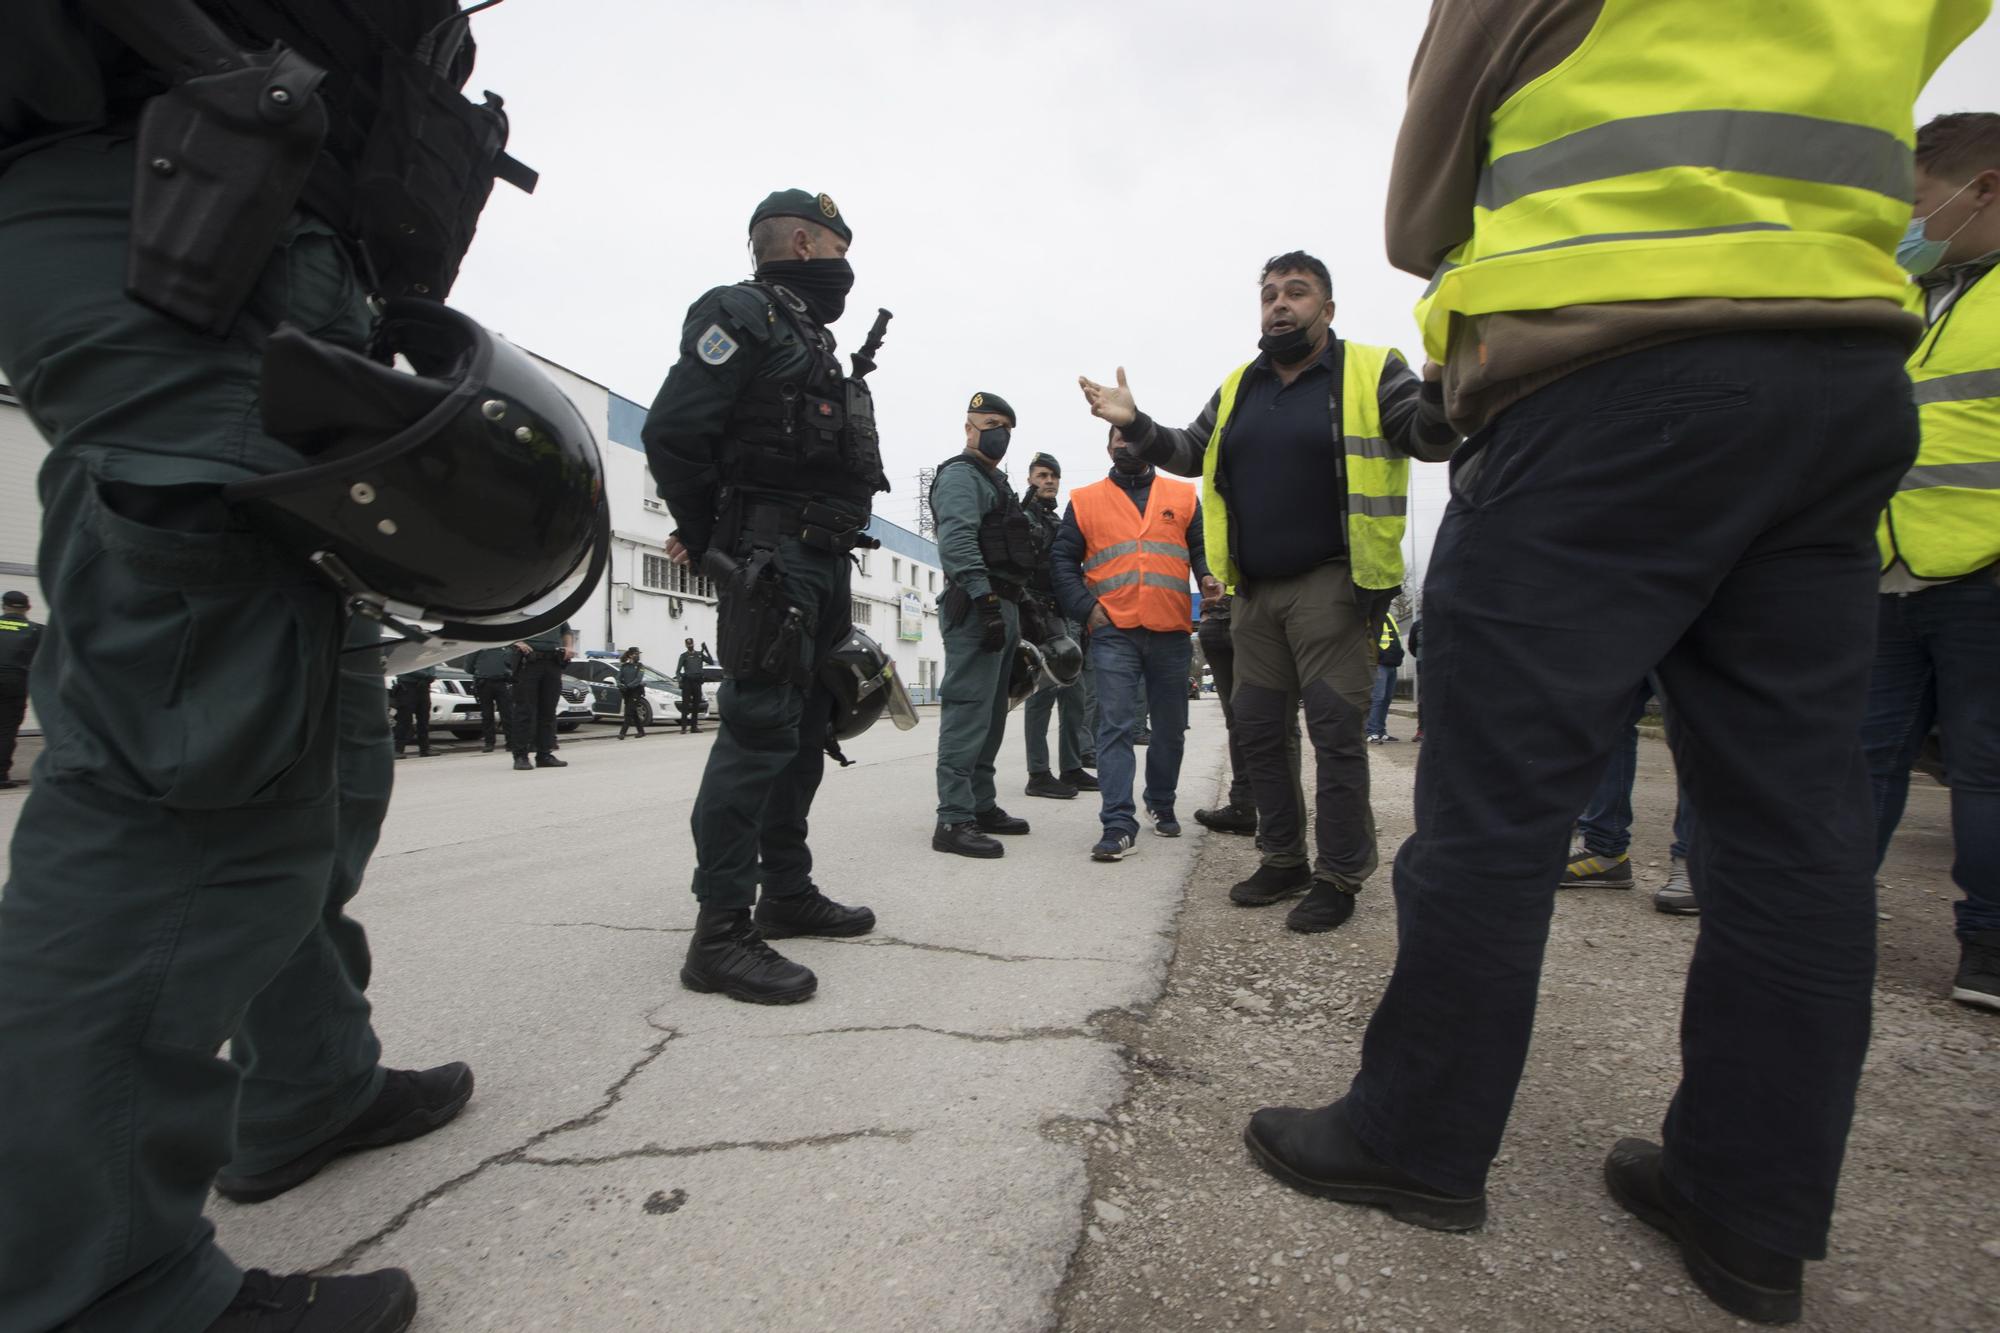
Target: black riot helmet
column 1026, row 674
column 1062, row 660
column 865, row 685
column 468, row 495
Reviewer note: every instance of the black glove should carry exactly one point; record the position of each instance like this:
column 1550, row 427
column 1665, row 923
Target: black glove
column 992, row 625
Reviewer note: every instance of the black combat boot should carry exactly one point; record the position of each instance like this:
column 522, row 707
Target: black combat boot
column 411, row 1104
column 1229, row 819
column 1314, row 1152
column 809, row 913
column 1079, row 779
column 384, row 1301
column 521, row 761
column 997, row 820
column 727, row 954
column 549, row 761
column 965, row 839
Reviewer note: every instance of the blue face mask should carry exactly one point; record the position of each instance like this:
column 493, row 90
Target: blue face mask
column 1916, row 252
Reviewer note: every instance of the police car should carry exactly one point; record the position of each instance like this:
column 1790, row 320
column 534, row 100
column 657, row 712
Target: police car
column 599, row 672
column 455, row 705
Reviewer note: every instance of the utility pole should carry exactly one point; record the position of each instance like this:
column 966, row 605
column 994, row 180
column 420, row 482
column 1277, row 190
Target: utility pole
column 926, row 521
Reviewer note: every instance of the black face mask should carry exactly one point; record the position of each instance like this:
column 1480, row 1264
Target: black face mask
column 823, row 284
column 1287, row 349
column 1127, row 462
column 993, row 441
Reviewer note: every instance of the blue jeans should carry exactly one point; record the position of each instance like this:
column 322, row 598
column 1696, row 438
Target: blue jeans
column 1139, row 671
column 1937, row 661
column 1606, row 823
column 1378, row 704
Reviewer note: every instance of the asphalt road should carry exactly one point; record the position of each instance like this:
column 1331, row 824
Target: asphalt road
column 641, row 1157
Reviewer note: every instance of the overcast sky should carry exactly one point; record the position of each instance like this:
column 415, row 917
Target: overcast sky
column 1037, row 189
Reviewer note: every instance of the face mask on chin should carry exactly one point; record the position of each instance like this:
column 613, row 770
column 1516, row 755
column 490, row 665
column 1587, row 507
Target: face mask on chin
column 1917, row 252
column 1288, row 348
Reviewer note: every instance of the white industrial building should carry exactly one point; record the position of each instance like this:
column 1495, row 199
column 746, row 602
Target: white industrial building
column 644, row 599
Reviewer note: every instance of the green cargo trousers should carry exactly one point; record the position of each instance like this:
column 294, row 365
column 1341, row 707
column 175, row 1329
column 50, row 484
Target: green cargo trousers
column 750, row 816
column 972, row 716
column 211, row 791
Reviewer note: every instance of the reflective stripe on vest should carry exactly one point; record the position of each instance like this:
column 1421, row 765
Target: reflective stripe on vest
column 1378, row 478
column 1137, row 564
column 1389, row 631
column 1682, row 151
column 1944, row 519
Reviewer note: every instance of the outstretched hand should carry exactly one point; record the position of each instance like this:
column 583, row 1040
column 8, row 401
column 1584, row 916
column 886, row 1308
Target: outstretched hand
column 1112, row 403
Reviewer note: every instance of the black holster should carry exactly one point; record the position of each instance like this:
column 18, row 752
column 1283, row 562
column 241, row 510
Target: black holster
column 760, row 637
column 954, row 606
column 222, row 159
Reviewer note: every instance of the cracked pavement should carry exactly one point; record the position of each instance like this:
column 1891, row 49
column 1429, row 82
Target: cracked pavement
column 887, row 1156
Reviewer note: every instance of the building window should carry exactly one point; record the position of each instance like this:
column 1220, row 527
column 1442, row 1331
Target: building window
column 895, row 570
column 660, row 574
column 862, row 613
column 862, row 558
column 933, row 580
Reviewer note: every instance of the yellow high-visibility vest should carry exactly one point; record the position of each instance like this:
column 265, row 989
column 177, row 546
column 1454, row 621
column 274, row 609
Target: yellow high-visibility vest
column 1690, row 149
column 1944, row 519
column 1378, row 478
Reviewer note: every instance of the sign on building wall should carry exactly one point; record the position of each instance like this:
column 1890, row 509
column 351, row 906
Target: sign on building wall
column 911, row 624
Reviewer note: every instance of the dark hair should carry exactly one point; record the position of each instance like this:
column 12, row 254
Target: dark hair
column 633, row 651
column 1962, row 143
column 1298, row 261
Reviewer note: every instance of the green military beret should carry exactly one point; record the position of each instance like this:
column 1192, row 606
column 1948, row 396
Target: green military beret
column 994, row 403
column 1048, row 461
column 818, row 208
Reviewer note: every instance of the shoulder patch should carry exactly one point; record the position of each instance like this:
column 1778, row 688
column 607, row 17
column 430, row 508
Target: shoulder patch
column 715, row 346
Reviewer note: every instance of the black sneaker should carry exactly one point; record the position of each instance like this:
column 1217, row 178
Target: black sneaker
column 1229, row 819
column 1735, row 1272
column 1978, row 980
column 1041, row 784
column 1676, row 896
column 486, row 748
column 521, row 764
column 997, row 820
column 1271, row 884
column 809, row 913
column 1114, row 847
column 1326, row 908
column 1079, row 779
column 727, row 954
column 384, row 1301
column 965, row 839
column 1314, row 1152
column 549, row 761
column 1164, row 823
column 412, row 1103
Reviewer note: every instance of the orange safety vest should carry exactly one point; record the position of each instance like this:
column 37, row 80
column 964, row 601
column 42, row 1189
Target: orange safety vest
column 1137, row 564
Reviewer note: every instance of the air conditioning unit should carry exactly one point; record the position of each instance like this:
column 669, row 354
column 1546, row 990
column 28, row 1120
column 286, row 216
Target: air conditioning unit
column 653, row 504
column 624, row 597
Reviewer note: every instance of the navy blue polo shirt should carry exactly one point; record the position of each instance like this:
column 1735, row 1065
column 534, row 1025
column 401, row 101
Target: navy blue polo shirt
column 1281, row 465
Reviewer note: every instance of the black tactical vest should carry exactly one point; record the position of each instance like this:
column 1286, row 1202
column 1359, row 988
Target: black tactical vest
column 1006, row 536
column 802, row 427
column 1044, row 524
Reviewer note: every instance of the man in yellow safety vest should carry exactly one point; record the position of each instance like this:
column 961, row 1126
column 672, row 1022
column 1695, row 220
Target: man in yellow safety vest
column 1937, row 651
column 1661, row 237
column 1304, row 455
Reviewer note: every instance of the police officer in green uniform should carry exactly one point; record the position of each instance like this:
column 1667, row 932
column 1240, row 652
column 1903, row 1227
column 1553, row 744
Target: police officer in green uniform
column 986, row 546
column 1067, row 702
column 765, row 452
column 215, row 780
column 493, row 685
column 19, row 637
column 688, row 670
column 538, row 696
